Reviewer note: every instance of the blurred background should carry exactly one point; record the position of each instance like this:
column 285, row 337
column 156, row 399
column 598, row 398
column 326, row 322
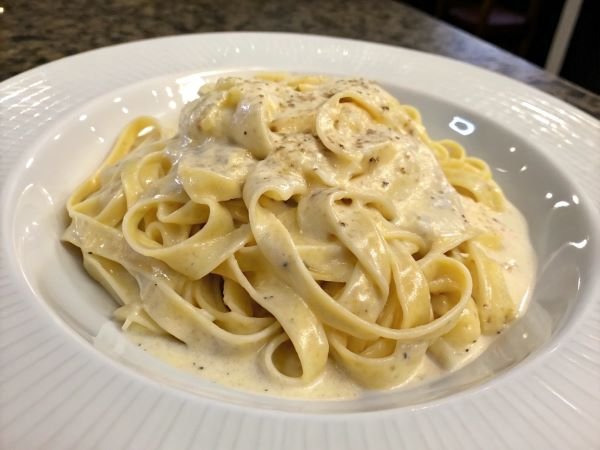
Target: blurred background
column 563, row 36
column 553, row 45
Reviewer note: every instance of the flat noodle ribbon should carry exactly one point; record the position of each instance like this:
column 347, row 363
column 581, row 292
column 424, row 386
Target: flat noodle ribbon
column 298, row 218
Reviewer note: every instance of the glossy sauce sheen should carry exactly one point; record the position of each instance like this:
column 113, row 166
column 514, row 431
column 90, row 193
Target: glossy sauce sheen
column 516, row 258
column 361, row 176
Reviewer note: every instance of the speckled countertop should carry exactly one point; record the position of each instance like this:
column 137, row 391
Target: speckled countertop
column 38, row 31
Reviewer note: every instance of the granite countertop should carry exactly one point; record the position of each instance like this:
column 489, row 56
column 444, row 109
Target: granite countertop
column 38, row 31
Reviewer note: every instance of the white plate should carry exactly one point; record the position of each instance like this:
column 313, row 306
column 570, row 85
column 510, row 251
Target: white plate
column 58, row 391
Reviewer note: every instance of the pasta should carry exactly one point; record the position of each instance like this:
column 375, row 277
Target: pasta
column 298, row 220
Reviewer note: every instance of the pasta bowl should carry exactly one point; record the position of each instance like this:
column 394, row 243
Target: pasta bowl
column 525, row 150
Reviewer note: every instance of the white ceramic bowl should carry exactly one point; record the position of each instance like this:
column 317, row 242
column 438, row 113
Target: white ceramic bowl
column 48, row 276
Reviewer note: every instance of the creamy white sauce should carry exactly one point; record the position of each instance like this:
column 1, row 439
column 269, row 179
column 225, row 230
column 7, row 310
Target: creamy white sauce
column 410, row 169
column 515, row 255
column 518, row 262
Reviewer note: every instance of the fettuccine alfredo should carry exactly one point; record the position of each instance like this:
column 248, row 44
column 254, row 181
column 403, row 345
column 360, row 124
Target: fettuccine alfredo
column 301, row 229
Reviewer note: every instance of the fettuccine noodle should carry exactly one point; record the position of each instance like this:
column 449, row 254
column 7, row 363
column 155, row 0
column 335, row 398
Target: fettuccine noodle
column 298, row 220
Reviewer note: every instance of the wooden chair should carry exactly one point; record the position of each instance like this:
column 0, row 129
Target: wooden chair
column 492, row 20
